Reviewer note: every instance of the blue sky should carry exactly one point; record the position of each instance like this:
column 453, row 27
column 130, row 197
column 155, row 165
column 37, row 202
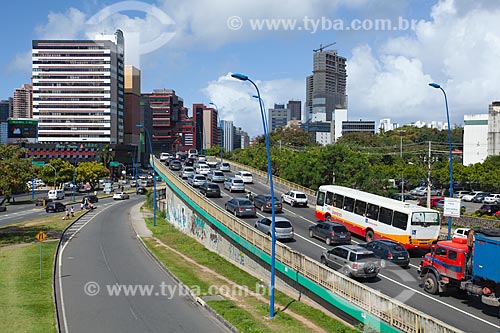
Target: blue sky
column 454, row 42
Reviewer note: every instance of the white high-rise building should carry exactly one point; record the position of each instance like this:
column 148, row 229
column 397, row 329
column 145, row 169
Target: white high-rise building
column 475, row 138
column 78, row 89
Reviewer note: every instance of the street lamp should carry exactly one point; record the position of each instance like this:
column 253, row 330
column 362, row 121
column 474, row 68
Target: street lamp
column 154, row 171
column 243, row 77
column 437, row 86
column 220, row 126
column 55, row 174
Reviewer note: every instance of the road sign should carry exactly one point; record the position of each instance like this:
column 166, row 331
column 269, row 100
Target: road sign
column 451, row 207
column 41, row 236
column 114, row 164
column 38, row 163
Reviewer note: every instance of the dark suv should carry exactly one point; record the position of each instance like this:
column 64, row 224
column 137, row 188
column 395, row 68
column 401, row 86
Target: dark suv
column 210, row 189
column 330, row 232
column 55, row 206
column 91, row 197
column 488, row 209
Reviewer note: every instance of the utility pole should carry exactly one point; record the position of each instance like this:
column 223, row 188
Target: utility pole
column 429, row 177
column 401, row 156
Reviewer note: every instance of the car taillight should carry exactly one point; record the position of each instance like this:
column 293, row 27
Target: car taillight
column 389, row 256
column 355, row 265
column 242, row 208
column 332, row 234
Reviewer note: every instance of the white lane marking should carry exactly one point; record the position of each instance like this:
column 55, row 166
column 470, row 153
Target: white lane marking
column 104, row 256
column 63, row 310
column 133, row 313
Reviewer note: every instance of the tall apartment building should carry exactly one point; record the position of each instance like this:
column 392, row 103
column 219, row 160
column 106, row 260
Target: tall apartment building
column 228, row 135
column 23, row 102
column 78, row 89
column 295, row 110
column 6, row 107
column 358, row 126
column 494, row 129
column 132, row 111
column 475, row 138
column 207, row 132
column 277, row 117
column 326, row 87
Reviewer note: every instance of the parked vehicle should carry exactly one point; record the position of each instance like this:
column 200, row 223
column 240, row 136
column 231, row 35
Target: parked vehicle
column 120, row 196
column 434, row 200
column 263, row 202
column 331, row 232
column 389, row 251
column 468, row 197
column 352, row 260
column 460, row 194
column 241, row 207
column 406, row 196
column 54, row 207
column 216, row 176
column 210, row 189
column 488, row 209
column 283, row 229
column 479, row 198
column 461, row 233
column 196, row 180
column 187, row 171
column 245, row 176
column 418, row 190
column 449, row 264
column 224, row 166
column 294, row 198
column 234, row 184
column 56, row 194
column 492, row 198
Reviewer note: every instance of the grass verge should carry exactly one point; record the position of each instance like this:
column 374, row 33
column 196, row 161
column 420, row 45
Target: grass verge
column 25, row 300
column 247, row 312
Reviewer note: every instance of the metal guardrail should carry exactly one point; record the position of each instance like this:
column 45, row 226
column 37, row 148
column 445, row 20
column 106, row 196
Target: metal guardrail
column 326, row 282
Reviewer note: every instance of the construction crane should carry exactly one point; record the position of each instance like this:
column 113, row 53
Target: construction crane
column 321, row 47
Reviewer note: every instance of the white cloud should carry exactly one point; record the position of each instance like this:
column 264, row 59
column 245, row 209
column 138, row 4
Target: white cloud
column 22, row 63
column 66, row 25
column 458, row 49
column 235, row 102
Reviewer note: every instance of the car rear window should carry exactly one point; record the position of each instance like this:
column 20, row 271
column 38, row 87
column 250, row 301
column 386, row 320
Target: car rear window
column 246, row 203
column 212, row 186
column 397, row 247
column 339, row 228
column 361, row 256
column 300, row 196
column 239, row 181
column 282, row 224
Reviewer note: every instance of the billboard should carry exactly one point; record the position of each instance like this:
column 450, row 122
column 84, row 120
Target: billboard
column 22, row 128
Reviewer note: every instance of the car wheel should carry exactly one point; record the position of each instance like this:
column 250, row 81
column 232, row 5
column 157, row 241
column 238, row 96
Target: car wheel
column 431, row 284
column 311, row 233
column 345, row 271
column 369, row 236
column 262, row 208
column 323, row 261
column 383, row 263
column 328, row 241
column 235, row 213
column 292, row 203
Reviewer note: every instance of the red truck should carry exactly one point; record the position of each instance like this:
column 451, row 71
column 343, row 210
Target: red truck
column 451, row 263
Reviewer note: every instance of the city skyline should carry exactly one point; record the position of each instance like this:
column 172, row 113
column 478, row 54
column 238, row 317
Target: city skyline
column 453, row 43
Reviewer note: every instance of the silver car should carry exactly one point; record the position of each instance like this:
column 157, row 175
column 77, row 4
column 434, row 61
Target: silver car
column 216, row 176
column 187, row 171
column 196, row 180
column 283, row 229
column 352, row 260
column 234, row 184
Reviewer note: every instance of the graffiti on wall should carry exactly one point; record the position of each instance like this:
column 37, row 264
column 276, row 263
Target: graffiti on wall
column 177, row 214
column 236, row 255
column 198, row 228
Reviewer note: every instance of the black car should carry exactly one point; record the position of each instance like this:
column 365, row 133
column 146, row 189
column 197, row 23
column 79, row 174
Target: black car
column 488, row 209
column 389, row 252
column 330, row 232
column 92, row 198
column 141, row 190
column 189, row 161
column 263, row 202
column 480, row 197
column 210, row 189
column 175, row 165
column 55, row 206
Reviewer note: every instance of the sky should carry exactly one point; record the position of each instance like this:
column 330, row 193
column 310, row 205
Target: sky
column 394, row 48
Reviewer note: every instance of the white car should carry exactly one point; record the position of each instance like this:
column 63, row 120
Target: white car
column 461, row 233
column 224, row 166
column 187, row 171
column 245, row 176
column 203, row 169
column 294, row 198
column 470, row 196
column 120, row 196
column 492, row 198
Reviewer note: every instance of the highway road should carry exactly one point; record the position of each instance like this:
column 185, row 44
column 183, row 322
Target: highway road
column 108, row 283
column 401, row 284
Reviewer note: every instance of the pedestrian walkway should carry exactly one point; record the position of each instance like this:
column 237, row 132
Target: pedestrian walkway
column 138, row 222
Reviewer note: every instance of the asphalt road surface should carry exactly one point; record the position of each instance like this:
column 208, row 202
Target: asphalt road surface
column 103, row 260
column 454, row 308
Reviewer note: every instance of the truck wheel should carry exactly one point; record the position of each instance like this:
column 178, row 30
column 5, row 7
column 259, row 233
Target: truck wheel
column 431, row 284
column 369, row 236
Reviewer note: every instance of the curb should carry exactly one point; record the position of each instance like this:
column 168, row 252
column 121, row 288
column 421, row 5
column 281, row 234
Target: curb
column 194, row 298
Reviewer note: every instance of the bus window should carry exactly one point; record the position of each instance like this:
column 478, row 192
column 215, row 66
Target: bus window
column 339, row 201
column 400, row 220
column 372, row 212
column 348, row 204
column 425, row 218
column 329, row 199
column 385, row 216
column 360, row 208
column 320, row 201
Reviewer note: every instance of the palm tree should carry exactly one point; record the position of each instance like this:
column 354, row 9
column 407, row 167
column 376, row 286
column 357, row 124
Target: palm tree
column 105, row 155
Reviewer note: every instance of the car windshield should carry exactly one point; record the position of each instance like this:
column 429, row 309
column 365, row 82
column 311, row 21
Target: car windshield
column 421, row 218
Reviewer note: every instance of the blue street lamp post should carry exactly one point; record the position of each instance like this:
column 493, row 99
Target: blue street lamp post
column 154, row 172
column 220, row 129
column 437, row 86
column 243, row 77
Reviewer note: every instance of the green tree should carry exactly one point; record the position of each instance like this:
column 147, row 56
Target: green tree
column 64, row 172
column 15, row 170
column 91, row 172
column 105, row 155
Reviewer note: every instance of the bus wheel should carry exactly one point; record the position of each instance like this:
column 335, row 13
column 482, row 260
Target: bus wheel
column 328, row 218
column 369, row 236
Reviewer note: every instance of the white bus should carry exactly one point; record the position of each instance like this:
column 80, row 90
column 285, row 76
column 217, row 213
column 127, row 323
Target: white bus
column 374, row 217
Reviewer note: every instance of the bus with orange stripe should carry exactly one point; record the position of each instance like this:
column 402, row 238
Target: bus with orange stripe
column 375, row 217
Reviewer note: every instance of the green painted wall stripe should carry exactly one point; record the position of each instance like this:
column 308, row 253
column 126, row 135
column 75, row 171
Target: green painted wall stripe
column 475, row 122
column 337, row 301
